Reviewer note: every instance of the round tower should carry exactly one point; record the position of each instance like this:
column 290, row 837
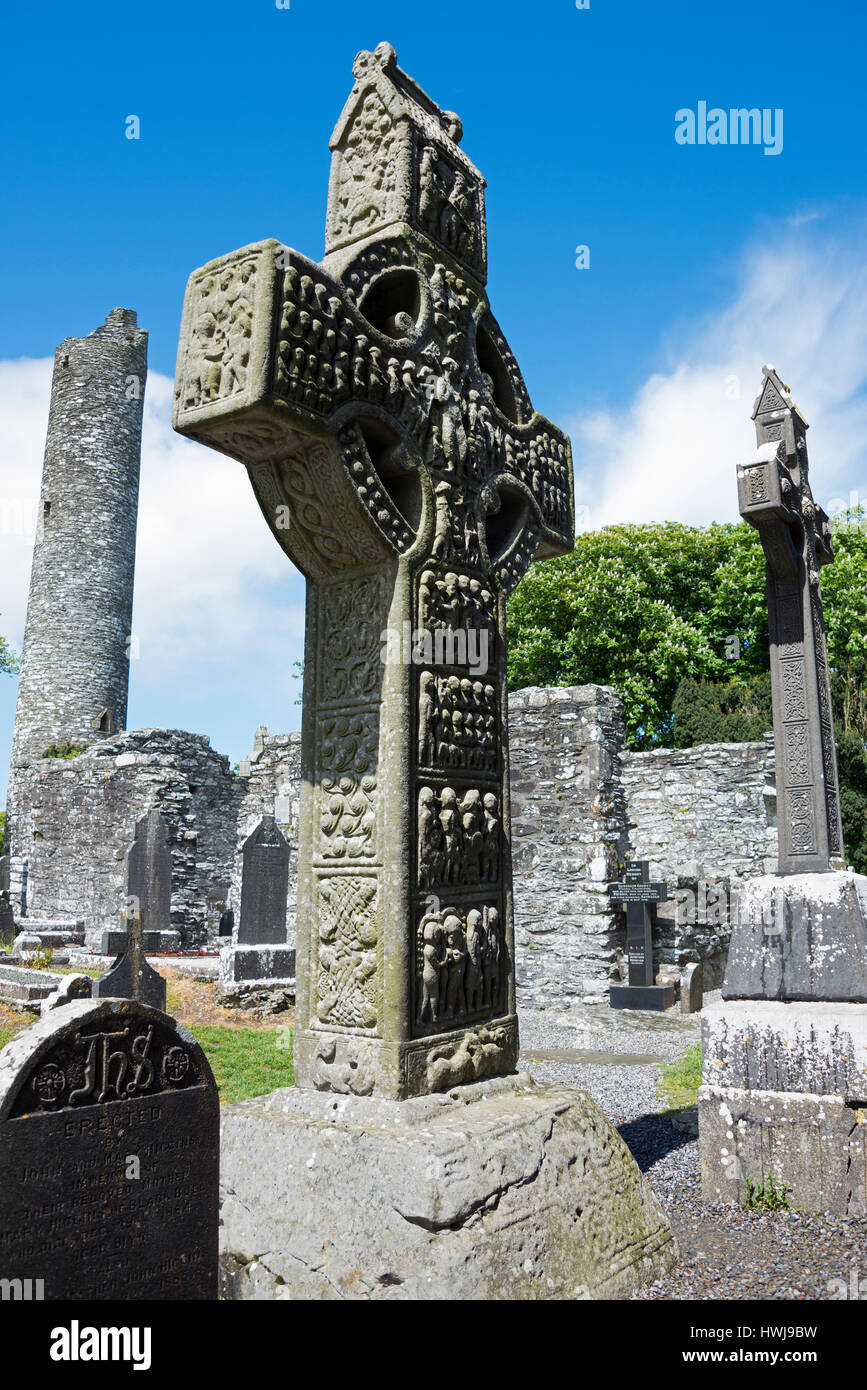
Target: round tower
column 75, row 657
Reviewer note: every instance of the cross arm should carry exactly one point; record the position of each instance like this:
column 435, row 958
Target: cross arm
column 768, row 499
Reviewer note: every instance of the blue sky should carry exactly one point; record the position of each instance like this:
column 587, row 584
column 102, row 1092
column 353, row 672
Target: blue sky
column 704, row 261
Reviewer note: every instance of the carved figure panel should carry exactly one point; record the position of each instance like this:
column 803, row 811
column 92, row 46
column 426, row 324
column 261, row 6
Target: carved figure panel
column 367, row 173
column 458, row 836
column 448, row 203
column 460, row 965
column 457, row 722
column 483, row 1052
column 218, row 346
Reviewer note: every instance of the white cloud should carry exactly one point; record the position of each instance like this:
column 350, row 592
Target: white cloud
column 219, row 609
column 671, row 453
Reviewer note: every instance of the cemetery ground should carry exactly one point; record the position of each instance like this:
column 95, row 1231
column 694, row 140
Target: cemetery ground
column 249, row 1055
column 644, row 1070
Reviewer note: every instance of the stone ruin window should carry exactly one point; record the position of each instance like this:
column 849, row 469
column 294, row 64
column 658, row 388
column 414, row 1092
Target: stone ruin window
column 104, row 722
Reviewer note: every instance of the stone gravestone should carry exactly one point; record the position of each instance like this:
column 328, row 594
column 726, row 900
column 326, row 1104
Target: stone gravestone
column 146, row 915
column 691, row 988
column 109, row 1154
column 395, row 454
column 259, row 952
column 638, row 894
column 7, row 916
column 785, row 1050
column 147, row 889
column 227, row 922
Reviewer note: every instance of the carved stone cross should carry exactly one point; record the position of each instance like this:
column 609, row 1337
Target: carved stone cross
column 775, row 497
column 395, row 454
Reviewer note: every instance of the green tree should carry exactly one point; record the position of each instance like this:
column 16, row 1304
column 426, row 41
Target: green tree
column 8, row 659
column 722, row 711
column 640, row 608
column 675, row 618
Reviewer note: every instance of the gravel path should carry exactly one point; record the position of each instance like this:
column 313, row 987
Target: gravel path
column 726, row 1253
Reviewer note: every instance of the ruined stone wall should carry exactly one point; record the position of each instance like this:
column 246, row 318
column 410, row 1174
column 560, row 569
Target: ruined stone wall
column 581, row 804
column 568, row 824
column 271, row 785
column 704, row 817
column 75, row 657
column 714, row 804
column 78, row 818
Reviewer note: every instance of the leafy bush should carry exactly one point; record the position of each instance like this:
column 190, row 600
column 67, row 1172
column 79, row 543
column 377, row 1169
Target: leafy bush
column 63, row 750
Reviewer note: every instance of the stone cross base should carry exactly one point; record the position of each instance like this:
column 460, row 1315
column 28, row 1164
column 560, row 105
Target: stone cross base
column 785, row 1097
column 259, row 965
column 499, row 1190
column 362, row 1065
column 800, row 936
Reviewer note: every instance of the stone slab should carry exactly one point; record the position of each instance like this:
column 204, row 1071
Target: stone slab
column 800, row 936
column 767, row 1045
column 496, row 1190
column 815, row 1145
column 87, row 1088
column 655, row 997
column 114, row 943
column 27, row 985
column 267, row 965
column 691, row 988
column 54, row 939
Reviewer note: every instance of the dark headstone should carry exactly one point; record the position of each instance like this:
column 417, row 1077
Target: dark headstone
column 146, row 915
column 227, row 922
column 637, row 893
column 148, row 873
column 109, row 1150
column 7, row 921
column 264, row 886
column 651, row 997
column 7, row 916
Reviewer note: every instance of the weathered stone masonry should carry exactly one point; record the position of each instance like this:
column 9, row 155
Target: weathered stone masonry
column 75, row 659
column 580, row 805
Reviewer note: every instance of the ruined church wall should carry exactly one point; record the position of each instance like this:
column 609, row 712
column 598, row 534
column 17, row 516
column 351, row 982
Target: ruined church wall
column 580, row 805
column 704, row 817
column 714, row 804
column 270, row 785
column 78, row 818
column 568, row 824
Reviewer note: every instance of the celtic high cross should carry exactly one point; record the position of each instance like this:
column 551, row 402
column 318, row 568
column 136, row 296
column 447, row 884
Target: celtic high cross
column 393, row 449
column 775, row 497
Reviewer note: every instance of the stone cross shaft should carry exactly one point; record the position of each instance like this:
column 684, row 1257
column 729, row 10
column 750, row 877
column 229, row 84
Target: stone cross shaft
column 775, row 497
column 393, row 449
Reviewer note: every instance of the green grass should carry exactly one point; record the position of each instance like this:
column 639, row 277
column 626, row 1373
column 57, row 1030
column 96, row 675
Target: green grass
column 8, row 1031
column 680, row 1080
column 247, row 1061
column 768, row 1197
